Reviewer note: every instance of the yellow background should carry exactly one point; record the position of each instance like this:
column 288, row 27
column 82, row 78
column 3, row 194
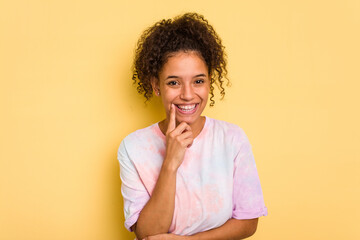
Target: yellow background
column 67, row 101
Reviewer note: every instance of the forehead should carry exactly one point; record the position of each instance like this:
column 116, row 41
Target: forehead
column 184, row 64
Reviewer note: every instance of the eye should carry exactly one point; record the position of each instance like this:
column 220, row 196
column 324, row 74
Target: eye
column 199, row 81
column 172, row 83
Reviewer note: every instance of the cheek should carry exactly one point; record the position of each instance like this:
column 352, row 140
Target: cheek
column 168, row 95
column 204, row 93
column 167, row 98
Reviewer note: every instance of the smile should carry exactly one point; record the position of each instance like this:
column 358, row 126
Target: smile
column 187, row 109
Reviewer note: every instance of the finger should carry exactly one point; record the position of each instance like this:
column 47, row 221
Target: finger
column 186, row 135
column 181, row 128
column 188, row 128
column 172, row 119
column 188, row 142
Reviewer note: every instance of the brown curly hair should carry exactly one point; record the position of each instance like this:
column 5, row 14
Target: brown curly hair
column 188, row 32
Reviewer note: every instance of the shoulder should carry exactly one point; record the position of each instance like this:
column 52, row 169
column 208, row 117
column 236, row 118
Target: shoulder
column 224, row 124
column 227, row 128
column 229, row 134
column 139, row 138
column 141, row 135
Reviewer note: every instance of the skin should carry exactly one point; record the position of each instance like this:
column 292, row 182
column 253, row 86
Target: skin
column 233, row 229
column 183, row 80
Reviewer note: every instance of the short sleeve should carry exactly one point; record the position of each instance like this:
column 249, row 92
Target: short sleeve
column 133, row 190
column 248, row 201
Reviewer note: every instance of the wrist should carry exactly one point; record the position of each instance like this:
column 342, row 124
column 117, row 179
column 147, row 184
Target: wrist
column 169, row 167
column 191, row 237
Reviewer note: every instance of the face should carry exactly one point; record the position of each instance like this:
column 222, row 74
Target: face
column 184, row 81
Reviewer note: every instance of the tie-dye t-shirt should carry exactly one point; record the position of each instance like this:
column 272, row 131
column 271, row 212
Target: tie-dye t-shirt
column 216, row 181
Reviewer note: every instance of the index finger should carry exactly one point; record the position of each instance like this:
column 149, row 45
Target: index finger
column 172, row 119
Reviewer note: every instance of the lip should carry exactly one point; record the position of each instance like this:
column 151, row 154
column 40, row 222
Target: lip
column 187, row 112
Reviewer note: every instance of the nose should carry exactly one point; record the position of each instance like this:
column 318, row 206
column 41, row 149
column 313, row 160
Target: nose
column 187, row 92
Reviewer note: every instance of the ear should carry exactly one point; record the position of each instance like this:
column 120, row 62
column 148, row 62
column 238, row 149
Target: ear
column 155, row 85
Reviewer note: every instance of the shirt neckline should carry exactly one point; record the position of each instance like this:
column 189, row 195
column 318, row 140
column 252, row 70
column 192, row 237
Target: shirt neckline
column 157, row 128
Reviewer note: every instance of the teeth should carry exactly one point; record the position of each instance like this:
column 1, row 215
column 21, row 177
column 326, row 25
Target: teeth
column 187, row 107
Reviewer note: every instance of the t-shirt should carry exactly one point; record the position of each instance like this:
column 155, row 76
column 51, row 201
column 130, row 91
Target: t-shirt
column 216, row 181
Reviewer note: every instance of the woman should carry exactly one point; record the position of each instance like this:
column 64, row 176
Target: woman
column 187, row 176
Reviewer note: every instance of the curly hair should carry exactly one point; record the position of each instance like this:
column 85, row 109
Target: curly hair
column 188, row 32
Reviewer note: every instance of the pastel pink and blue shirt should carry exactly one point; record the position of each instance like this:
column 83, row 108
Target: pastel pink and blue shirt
column 216, row 181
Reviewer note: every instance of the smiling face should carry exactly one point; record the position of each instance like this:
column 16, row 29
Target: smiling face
column 184, row 81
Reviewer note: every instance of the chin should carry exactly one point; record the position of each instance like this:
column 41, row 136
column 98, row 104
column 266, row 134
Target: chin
column 189, row 120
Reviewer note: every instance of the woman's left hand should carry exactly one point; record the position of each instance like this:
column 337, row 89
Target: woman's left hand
column 166, row 236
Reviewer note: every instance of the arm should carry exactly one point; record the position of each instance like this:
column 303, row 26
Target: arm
column 156, row 216
column 233, row 229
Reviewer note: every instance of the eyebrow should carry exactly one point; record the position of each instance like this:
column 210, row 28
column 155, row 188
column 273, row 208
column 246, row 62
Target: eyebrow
column 173, row 76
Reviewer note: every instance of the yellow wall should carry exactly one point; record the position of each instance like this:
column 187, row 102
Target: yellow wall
column 67, row 101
